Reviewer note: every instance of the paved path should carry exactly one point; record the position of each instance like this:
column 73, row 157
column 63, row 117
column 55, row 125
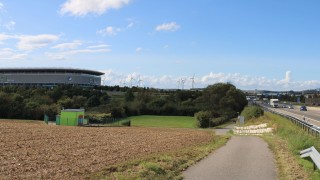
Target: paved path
column 242, row 158
column 223, row 131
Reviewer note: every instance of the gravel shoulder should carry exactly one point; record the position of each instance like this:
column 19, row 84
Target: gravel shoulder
column 242, row 158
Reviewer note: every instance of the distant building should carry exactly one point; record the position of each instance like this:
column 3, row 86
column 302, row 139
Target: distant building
column 48, row 77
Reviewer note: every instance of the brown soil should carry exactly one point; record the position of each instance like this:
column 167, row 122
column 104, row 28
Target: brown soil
column 39, row 151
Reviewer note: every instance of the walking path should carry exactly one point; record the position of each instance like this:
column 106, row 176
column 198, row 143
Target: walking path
column 223, row 131
column 242, row 158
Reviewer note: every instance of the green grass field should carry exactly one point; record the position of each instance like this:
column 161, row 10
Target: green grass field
column 163, row 121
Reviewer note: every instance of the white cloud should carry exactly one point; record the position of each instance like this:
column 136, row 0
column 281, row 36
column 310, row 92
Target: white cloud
column 88, row 51
column 288, row 77
column 84, row 7
column 130, row 25
column 4, row 37
column 35, row 42
column 99, row 46
column 109, row 31
column 73, row 45
column 56, row 56
column 1, row 7
column 10, row 25
column 139, row 49
column 10, row 54
column 173, row 26
column 240, row 81
column 63, row 55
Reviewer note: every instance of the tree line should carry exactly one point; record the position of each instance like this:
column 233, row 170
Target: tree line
column 222, row 100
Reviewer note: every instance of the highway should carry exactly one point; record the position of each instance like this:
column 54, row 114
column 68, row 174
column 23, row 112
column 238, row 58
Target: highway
column 312, row 115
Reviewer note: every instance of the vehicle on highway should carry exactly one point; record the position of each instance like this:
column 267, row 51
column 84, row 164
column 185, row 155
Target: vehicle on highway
column 274, row 103
column 290, row 106
column 303, row 108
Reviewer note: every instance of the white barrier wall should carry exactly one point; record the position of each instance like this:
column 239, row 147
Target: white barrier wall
column 252, row 130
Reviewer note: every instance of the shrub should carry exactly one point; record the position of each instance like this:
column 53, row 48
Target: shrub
column 203, row 118
column 250, row 112
column 118, row 112
column 126, row 123
column 218, row 121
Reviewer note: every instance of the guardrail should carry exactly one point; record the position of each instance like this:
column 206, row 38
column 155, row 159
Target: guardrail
column 313, row 154
column 310, row 128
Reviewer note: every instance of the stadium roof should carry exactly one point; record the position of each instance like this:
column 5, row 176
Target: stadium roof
column 50, row 70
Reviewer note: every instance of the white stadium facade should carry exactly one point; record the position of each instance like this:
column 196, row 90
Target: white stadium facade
column 49, row 77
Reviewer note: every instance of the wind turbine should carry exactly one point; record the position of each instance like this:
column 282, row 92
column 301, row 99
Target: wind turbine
column 124, row 84
column 131, row 79
column 179, row 82
column 182, row 82
column 103, row 80
column 139, row 81
column 192, row 81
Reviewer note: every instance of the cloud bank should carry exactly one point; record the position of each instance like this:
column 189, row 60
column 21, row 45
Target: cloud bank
column 244, row 82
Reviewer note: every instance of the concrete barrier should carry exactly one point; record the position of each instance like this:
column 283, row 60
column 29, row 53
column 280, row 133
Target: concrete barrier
column 252, row 130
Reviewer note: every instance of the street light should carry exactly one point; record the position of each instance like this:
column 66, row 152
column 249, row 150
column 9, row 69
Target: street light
column 238, row 116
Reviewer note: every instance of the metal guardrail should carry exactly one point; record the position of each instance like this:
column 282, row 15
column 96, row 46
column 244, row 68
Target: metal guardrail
column 307, row 126
column 313, row 154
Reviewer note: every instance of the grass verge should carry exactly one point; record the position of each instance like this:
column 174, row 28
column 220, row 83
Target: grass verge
column 163, row 121
column 168, row 165
column 286, row 143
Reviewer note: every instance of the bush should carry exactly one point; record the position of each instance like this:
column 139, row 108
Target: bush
column 203, row 118
column 218, row 121
column 126, row 123
column 251, row 112
column 118, row 112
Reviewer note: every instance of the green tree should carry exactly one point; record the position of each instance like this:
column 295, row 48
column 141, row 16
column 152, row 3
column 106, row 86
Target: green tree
column 93, row 101
column 105, row 99
column 78, row 101
column 129, row 96
column 5, row 104
column 222, row 100
column 17, row 107
column 65, row 102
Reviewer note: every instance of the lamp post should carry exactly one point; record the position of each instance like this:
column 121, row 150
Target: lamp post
column 238, row 117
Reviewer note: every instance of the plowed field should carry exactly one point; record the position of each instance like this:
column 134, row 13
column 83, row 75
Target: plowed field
column 39, row 151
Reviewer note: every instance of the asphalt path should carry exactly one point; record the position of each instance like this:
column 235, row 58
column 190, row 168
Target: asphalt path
column 242, row 158
column 225, row 130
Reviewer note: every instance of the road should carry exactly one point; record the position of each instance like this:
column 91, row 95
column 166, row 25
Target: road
column 242, row 158
column 312, row 115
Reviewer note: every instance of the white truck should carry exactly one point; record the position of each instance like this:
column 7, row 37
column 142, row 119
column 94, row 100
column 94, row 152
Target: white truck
column 274, row 103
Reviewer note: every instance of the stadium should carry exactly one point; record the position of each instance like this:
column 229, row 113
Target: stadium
column 48, row 77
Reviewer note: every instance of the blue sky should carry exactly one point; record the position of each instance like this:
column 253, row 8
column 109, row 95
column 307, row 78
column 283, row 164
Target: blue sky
column 262, row 44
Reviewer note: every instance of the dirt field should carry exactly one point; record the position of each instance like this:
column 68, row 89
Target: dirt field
column 38, row 151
